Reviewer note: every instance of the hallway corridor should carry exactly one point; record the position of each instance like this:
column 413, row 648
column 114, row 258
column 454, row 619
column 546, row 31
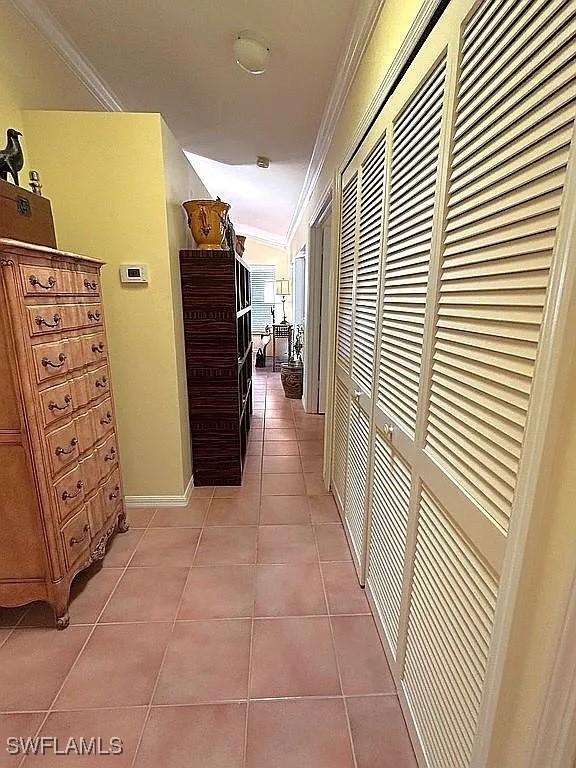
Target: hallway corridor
column 225, row 634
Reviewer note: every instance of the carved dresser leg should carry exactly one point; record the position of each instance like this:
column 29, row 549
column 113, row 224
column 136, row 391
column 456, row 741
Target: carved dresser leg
column 62, row 620
column 123, row 524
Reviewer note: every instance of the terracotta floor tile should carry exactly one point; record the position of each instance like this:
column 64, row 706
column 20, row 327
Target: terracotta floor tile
column 167, row 546
column 192, row 515
column 281, row 465
column 344, row 593
column 254, row 449
column 139, row 517
column 311, row 448
column 146, row 594
column 274, row 423
column 363, row 665
column 298, row 734
column 33, row 665
column 244, row 510
column 258, row 413
column 288, row 448
column 279, row 412
column 202, row 492
column 10, row 617
column 4, row 635
column 293, row 657
column 315, row 484
column 332, row 543
column 286, row 544
column 125, row 724
column 283, row 485
column 280, row 510
column 253, row 465
column 286, row 434
column 88, row 595
column 121, row 548
column 309, row 420
column 206, row 661
column 227, row 545
column 218, row 592
column 17, row 725
column 323, row 509
column 312, row 463
column 289, row 590
column 250, row 487
column 379, row 733
column 205, row 736
column 117, row 668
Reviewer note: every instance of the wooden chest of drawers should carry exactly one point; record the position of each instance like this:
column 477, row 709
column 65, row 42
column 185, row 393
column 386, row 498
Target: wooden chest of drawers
column 60, row 487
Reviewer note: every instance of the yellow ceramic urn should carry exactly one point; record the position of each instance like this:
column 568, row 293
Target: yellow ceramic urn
column 207, row 220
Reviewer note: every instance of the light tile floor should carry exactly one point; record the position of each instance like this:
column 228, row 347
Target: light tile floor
column 228, row 634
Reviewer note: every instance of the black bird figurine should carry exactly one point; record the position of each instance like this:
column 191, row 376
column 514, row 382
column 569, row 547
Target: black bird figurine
column 12, row 157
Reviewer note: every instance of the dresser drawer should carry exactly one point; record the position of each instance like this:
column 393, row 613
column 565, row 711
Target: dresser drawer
column 90, row 471
column 76, row 536
column 88, row 315
column 45, row 281
column 94, row 348
column 107, row 455
column 80, row 390
column 85, row 431
column 51, row 318
column 58, row 401
column 86, row 283
column 50, row 360
column 70, row 492
column 112, row 496
column 103, row 418
column 63, row 447
column 99, row 382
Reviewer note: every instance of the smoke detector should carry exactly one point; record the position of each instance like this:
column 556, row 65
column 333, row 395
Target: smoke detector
column 262, row 161
column 251, row 53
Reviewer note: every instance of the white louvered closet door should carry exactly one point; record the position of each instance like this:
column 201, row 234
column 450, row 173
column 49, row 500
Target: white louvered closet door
column 475, row 144
column 360, row 260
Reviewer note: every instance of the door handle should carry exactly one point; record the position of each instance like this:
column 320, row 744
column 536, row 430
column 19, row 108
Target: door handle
column 388, row 430
column 357, row 394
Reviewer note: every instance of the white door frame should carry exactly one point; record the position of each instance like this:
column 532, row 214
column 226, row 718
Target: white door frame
column 314, row 314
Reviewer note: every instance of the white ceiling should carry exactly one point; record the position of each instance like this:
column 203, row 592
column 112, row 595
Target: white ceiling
column 175, row 57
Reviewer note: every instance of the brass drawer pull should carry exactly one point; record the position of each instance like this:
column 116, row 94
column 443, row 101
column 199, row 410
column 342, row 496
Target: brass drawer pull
column 102, row 383
column 106, row 419
column 69, row 450
column 94, row 315
column 67, row 495
column 56, row 320
column 75, row 540
column 90, row 285
column 110, row 456
column 115, row 493
column 34, row 281
column 52, row 406
column 47, row 363
column 98, row 347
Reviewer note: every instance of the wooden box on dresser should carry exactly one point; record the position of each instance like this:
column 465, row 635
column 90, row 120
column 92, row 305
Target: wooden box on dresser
column 216, row 303
column 60, row 487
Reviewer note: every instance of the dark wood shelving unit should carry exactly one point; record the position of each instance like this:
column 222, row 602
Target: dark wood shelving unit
column 216, row 303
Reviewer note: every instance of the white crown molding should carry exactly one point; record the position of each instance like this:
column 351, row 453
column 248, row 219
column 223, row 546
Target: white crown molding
column 45, row 23
column 161, row 501
column 342, row 88
column 261, row 236
column 347, row 67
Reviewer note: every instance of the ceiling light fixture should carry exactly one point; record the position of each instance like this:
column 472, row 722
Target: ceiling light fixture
column 251, row 54
column 262, row 161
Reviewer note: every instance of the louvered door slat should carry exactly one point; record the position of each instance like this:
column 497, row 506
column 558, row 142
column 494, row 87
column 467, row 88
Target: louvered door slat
column 390, row 503
column 346, row 273
column 506, row 184
column 356, row 477
column 449, row 632
column 340, row 439
column 367, row 271
column 415, row 147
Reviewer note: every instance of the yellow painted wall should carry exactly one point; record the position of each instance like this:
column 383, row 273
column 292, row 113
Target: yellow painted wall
column 393, row 24
column 258, row 252
column 32, row 76
column 108, row 176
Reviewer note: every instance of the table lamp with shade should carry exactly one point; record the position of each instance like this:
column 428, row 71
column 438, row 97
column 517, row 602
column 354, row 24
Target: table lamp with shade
column 283, row 289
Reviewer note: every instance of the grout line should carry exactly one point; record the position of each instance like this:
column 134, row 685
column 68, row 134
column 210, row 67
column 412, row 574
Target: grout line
column 161, row 667
column 336, row 657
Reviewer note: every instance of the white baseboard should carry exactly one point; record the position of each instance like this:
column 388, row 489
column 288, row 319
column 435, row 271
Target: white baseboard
column 161, row 501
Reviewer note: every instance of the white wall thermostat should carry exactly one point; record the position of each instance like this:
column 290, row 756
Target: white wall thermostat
column 134, row 273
